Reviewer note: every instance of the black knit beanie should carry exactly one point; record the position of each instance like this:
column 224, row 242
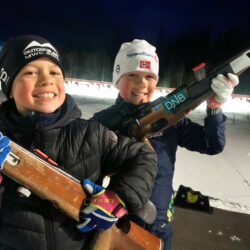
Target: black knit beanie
column 20, row 50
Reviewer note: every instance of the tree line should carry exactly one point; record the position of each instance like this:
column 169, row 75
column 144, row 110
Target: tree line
column 178, row 54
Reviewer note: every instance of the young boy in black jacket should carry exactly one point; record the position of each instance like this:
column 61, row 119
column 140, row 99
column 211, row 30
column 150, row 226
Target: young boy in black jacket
column 135, row 75
column 38, row 114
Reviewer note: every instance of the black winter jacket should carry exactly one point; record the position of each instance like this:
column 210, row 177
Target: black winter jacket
column 85, row 149
column 208, row 139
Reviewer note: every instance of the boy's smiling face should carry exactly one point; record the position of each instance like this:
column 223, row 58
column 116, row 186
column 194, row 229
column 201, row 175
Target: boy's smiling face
column 137, row 87
column 39, row 86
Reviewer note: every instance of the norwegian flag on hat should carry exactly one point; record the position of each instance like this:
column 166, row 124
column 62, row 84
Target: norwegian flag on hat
column 145, row 64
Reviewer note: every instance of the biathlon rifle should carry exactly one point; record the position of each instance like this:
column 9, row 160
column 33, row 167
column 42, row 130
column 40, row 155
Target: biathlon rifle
column 49, row 182
column 165, row 111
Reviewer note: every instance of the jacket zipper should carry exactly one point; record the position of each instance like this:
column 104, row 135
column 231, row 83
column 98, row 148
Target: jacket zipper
column 46, row 214
column 49, row 233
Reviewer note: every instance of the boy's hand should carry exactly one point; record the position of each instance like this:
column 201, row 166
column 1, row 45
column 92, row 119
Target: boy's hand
column 103, row 209
column 4, row 148
column 223, row 88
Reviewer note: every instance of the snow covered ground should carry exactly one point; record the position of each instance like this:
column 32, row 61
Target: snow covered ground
column 224, row 177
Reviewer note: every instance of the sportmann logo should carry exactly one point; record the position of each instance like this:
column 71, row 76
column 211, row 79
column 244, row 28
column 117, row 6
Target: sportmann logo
column 3, row 76
column 141, row 53
column 35, row 48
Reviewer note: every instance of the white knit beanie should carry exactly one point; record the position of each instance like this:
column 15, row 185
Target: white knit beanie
column 137, row 55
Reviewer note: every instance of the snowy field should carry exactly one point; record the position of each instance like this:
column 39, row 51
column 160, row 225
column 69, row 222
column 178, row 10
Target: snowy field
column 224, row 177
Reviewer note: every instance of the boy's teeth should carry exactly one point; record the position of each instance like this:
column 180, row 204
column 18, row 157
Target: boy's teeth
column 47, row 95
column 139, row 94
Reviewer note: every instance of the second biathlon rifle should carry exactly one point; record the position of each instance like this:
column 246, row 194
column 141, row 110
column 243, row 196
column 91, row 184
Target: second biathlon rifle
column 165, row 111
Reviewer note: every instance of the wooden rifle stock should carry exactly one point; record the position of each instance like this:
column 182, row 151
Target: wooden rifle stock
column 66, row 193
column 165, row 111
column 161, row 119
column 126, row 235
column 44, row 180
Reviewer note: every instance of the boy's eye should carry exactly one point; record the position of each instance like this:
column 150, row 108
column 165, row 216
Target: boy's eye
column 30, row 73
column 55, row 72
column 132, row 75
column 150, row 77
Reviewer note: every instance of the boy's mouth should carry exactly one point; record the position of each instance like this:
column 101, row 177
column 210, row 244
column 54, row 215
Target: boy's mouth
column 138, row 93
column 45, row 95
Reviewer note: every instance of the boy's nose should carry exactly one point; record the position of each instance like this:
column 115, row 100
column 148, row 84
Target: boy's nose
column 141, row 81
column 45, row 79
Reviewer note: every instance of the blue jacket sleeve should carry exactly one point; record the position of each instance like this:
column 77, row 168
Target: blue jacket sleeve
column 207, row 139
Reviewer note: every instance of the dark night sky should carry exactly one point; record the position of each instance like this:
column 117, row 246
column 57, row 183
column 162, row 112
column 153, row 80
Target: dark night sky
column 85, row 28
column 97, row 20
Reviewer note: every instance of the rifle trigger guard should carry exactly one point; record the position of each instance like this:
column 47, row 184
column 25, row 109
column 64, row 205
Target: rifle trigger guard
column 86, row 202
column 13, row 159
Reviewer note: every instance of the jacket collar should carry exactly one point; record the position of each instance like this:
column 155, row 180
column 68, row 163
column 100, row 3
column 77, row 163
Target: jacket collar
column 60, row 117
